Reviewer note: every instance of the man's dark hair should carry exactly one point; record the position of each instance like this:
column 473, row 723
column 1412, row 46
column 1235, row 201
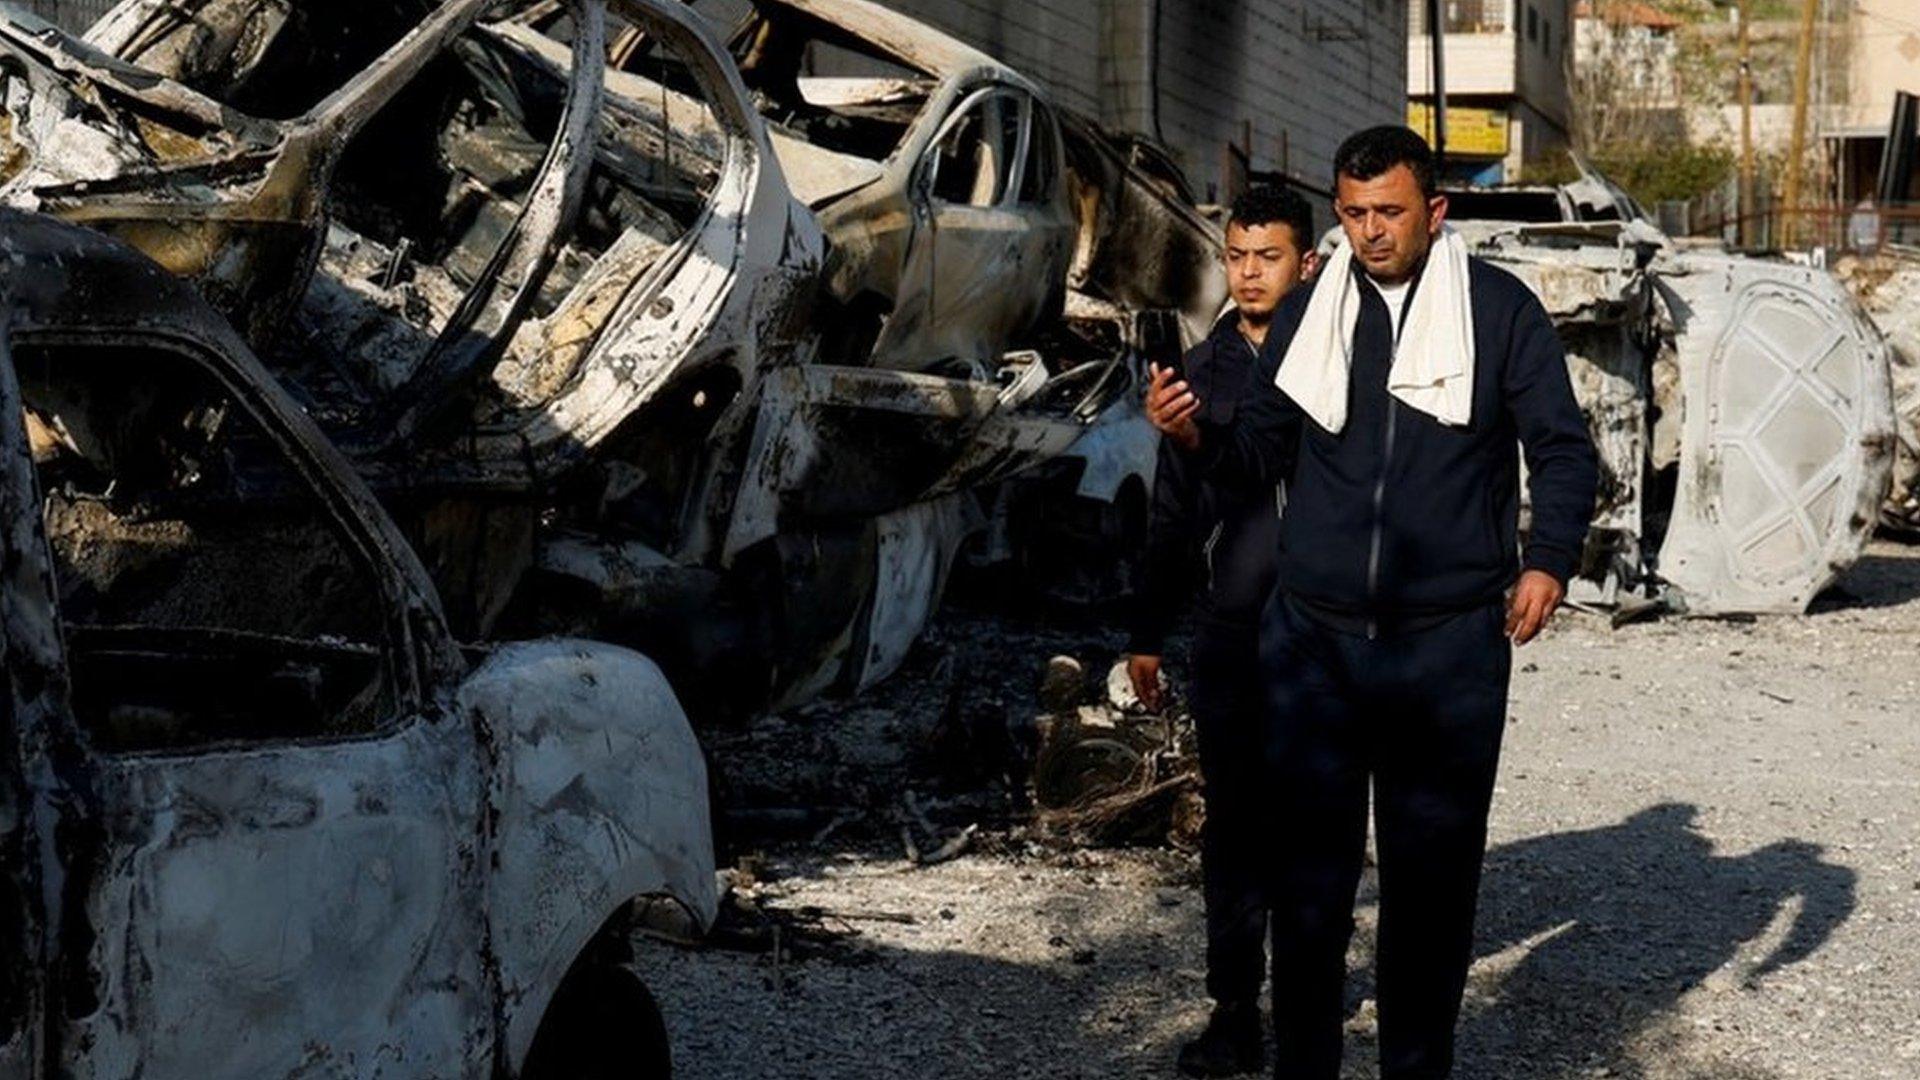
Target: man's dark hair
column 1266, row 204
column 1367, row 154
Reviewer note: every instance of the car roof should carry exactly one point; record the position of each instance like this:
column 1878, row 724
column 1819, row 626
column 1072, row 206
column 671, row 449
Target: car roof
column 904, row 39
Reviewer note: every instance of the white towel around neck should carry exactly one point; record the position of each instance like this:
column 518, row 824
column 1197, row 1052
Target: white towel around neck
column 1433, row 357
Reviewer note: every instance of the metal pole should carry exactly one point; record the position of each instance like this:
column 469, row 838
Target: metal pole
column 1437, row 69
column 1745, row 220
column 1797, row 148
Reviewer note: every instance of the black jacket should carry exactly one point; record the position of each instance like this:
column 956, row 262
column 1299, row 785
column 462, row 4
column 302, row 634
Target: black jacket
column 1219, row 538
column 1401, row 517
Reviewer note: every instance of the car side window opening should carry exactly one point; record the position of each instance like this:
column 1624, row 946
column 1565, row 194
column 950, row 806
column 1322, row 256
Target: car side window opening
column 208, row 594
column 1037, row 177
column 972, row 163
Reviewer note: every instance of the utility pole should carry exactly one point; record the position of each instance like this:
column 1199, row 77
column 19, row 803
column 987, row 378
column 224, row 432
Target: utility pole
column 1437, row 70
column 1745, row 221
column 1797, row 149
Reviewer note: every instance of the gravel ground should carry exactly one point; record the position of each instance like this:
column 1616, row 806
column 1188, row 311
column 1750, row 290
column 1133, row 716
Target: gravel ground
column 1703, row 865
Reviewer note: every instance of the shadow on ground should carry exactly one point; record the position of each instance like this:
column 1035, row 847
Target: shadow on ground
column 1611, row 926
column 1876, row 581
column 1587, row 941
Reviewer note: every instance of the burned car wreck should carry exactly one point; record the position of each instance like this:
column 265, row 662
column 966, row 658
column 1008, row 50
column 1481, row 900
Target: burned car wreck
column 1741, row 406
column 261, row 815
column 608, row 369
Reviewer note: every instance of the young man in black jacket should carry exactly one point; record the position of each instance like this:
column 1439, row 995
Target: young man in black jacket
column 1386, row 650
column 1220, row 540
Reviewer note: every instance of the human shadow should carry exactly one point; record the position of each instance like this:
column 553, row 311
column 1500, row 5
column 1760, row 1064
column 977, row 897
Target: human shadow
column 1587, row 942
column 1589, row 939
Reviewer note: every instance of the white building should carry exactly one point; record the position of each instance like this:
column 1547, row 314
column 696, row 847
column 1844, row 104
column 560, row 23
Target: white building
column 1508, row 101
column 1632, row 44
column 1883, row 59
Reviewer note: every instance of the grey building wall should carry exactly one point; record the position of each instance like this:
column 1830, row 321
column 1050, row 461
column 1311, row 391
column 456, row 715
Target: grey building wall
column 1297, row 75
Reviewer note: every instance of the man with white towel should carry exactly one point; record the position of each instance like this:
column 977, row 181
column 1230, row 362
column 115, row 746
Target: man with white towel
column 1407, row 378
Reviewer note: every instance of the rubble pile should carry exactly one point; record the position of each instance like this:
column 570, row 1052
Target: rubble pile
column 991, row 732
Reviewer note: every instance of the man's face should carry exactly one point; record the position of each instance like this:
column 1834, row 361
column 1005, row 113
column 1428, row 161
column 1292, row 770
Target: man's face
column 1264, row 263
column 1389, row 223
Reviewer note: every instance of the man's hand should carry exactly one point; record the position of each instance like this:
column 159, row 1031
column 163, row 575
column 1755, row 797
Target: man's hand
column 1171, row 407
column 1534, row 600
column 1144, row 673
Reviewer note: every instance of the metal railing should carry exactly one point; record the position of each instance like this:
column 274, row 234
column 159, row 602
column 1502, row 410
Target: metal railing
column 1833, row 227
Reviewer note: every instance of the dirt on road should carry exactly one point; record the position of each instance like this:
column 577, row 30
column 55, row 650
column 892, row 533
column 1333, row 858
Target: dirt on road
column 1703, row 865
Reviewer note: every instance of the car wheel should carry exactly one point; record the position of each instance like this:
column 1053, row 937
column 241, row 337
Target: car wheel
column 601, row 1024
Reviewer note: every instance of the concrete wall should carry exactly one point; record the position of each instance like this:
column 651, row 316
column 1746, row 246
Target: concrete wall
column 1885, row 58
column 72, row 14
column 1476, row 64
column 1543, row 59
column 1311, row 71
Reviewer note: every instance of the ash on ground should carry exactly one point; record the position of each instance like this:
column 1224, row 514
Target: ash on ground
column 1703, row 866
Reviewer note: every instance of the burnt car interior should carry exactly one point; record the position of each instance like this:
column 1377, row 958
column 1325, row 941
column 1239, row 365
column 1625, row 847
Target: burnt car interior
column 472, row 134
column 207, row 594
column 1533, row 206
column 402, row 267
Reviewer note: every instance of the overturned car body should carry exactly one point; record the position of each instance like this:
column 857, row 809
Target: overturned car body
column 1741, row 406
column 596, row 354
column 260, row 814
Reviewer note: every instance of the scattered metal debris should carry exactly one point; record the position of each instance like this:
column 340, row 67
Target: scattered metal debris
column 1110, row 772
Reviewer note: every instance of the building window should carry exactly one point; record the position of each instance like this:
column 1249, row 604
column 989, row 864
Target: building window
column 1461, row 16
column 1533, row 23
column 1546, row 36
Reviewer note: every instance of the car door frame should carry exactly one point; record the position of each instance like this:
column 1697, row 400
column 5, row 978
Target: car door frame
column 910, row 175
column 42, row 762
column 99, row 292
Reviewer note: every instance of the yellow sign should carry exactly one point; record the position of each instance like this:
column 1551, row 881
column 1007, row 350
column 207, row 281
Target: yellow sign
column 1470, row 132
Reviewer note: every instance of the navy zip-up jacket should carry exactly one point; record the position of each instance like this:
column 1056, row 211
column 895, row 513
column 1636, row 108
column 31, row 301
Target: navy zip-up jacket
column 1401, row 517
column 1219, row 537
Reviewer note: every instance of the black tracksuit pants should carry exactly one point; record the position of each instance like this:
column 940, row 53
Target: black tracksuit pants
column 1419, row 714
column 1227, row 692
